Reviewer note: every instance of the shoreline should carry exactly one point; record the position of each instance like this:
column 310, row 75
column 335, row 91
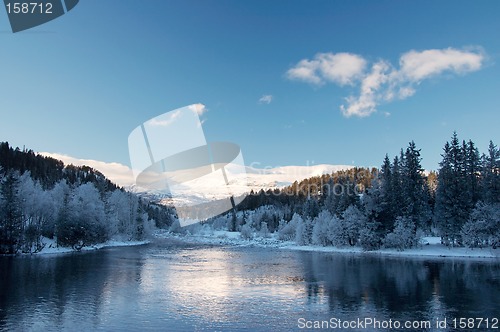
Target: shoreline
column 51, row 247
column 432, row 248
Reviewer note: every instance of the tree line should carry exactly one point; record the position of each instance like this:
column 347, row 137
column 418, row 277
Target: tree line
column 76, row 206
column 391, row 207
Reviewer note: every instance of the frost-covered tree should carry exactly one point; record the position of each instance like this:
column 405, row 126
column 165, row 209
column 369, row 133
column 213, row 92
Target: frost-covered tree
column 353, row 219
column 287, row 231
column 246, row 232
column 122, row 211
column 33, row 205
column 54, row 207
column 483, row 227
column 337, row 232
column 403, row 236
column 264, row 231
column 303, row 232
column 346, row 230
column 321, row 226
column 84, row 222
column 369, row 237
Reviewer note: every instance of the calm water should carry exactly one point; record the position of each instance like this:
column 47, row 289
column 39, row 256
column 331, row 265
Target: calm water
column 170, row 286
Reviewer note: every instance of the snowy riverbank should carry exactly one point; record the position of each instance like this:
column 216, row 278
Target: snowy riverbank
column 52, row 248
column 431, row 246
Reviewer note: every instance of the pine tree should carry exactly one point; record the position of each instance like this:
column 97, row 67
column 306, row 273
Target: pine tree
column 452, row 199
column 415, row 203
column 11, row 223
column 472, row 170
column 490, row 175
column 396, row 188
column 311, row 207
column 387, row 216
column 389, row 189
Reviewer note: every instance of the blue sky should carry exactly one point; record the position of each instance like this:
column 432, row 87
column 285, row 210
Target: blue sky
column 80, row 84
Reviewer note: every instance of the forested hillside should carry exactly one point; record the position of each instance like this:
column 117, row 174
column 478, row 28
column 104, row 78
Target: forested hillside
column 392, row 207
column 77, row 206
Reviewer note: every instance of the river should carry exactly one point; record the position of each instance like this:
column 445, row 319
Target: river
column 175, row 286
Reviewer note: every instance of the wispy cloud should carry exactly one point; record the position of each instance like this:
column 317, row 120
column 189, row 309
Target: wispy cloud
column 164, row 120
column 266, row 99
column 382, row 82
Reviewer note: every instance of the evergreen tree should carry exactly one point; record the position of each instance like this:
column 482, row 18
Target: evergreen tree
column 453, row 202
column 379, row 201
column 396, row 188
column 472, row 170
column 490, row 175
column 415, row 202
column 311, row 207
column 11, row 223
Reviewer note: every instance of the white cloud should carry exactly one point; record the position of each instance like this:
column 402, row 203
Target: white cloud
column 305, row 71
column 266, row 99
column 199, row 109
column 416, row 66
column 116, row 172
column 366, row 103
column 383, row 83
column 340, row 68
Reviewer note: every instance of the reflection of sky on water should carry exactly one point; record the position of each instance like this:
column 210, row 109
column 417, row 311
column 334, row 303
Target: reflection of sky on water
column 184, row 288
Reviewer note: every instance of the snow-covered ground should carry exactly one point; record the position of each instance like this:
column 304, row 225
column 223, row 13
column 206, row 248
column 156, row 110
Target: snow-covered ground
column 431, row 246
column 52, row 248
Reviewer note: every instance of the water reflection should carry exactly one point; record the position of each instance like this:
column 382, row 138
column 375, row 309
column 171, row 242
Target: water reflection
column 183, row 287
column 43, row 292
column 401, row 288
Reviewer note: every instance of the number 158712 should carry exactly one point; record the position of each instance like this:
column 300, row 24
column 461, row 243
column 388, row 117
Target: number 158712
column 29, row 8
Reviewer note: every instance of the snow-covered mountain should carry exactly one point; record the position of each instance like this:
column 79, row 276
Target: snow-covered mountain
column 209, row 188
column 205, row 189
column 281, row 177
